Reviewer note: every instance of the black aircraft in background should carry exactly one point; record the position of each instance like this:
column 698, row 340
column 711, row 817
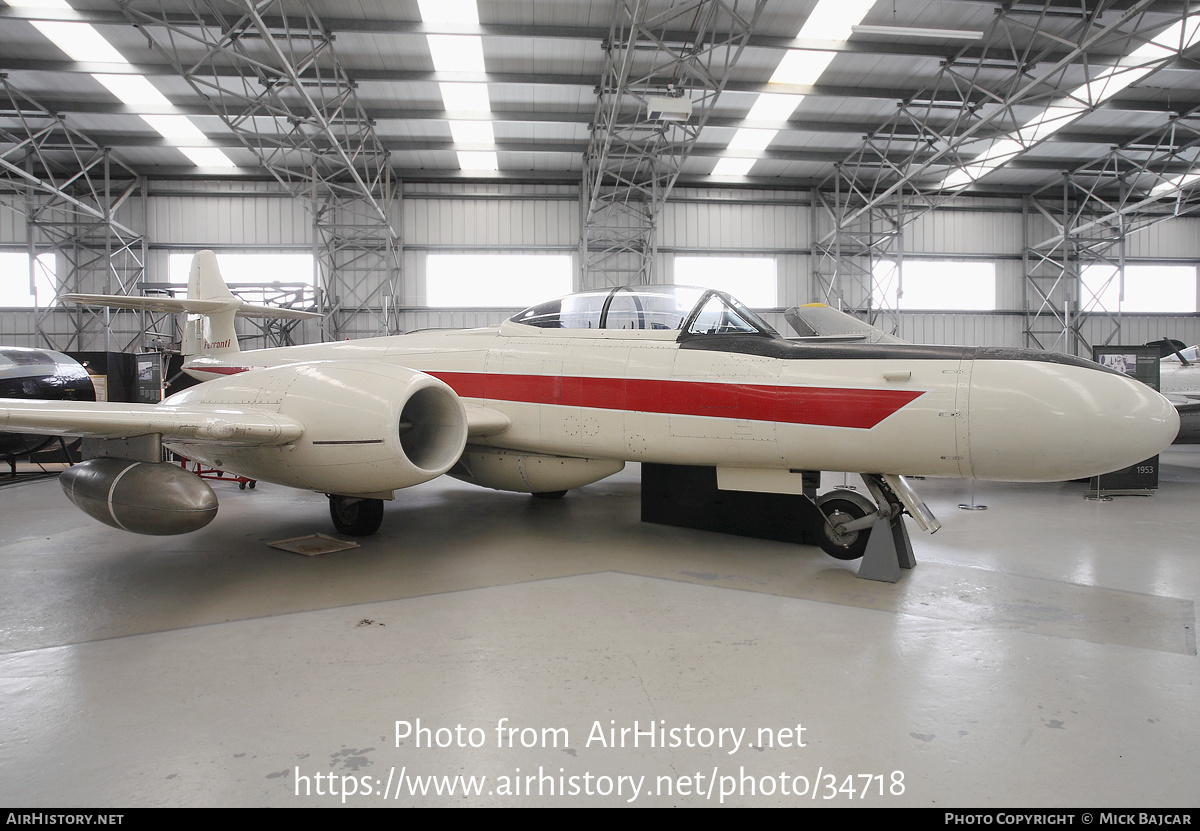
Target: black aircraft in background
column 42, row 374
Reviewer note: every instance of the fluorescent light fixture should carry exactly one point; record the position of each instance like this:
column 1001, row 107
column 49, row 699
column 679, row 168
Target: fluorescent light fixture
column 466, row 98
column 471, row 160
column 207, row 157
column 80, row 41
column 774, row 106
column 458, row 12
column 176, row 128
column 752, row 140
column 918, row 32
column 1132, row 68
column 729, row 166
column 457, row 53
column 83, row 43
column 133, row 90
column 472, row 132
column 834, row 19
column 39, row 4
column 802, row 66
column 831, row 20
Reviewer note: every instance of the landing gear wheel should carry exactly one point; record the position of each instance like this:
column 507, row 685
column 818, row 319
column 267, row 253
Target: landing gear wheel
column 356, row 517
column 549, row 495
column 844, row 506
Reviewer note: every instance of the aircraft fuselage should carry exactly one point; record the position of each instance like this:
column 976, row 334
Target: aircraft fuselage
column 760, row 403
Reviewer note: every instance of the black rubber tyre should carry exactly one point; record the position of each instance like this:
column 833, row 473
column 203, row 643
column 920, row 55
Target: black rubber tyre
column 844, row 506
column 549, row 495
column 356, row 517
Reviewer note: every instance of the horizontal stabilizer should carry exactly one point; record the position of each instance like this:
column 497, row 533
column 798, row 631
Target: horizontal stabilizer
column 171, row 305
column 224, row 426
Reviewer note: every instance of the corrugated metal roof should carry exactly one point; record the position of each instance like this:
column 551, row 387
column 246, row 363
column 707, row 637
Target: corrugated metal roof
column 544, row 60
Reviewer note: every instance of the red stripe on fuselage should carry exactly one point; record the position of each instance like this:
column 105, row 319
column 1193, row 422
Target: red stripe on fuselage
column 861, row 409
column 822, row 406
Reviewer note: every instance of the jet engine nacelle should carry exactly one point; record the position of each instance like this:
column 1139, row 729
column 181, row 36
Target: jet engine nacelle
column 369, row 428
column 142, row 497
column 508, row 470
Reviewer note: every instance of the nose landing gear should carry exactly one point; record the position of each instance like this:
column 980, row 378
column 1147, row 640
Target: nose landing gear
column 855, row 527
column 842, row 508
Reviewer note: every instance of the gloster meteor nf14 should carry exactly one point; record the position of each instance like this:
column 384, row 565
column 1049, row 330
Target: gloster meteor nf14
column 565, row 393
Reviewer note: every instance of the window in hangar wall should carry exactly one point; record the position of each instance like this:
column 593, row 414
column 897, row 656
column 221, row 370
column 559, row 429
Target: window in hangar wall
column 249, row 268
column 751, row 280
column 495, row 280
column 936, row 285
column 1165, row 289
column 15, row 289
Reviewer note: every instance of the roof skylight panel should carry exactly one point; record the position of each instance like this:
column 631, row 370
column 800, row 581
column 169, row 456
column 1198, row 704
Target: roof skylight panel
column 831, row 20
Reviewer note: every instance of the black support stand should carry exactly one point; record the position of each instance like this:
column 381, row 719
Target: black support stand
column 688, row 497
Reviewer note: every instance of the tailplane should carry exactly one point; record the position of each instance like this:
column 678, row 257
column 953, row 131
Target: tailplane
column 215, row 306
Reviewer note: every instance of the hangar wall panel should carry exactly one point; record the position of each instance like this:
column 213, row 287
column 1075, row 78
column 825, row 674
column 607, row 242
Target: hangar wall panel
column 1178, row 238
column 964, row 232
column 465, row 222
column 225, row 220
column 247, row 216
column 962, row 329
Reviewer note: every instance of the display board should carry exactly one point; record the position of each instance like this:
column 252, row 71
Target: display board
column 1142, row 363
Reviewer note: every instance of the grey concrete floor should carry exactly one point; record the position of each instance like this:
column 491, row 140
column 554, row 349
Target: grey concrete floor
column 1042, row 653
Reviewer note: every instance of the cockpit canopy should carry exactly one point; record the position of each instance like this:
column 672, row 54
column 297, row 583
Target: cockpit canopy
column 1191, row 355
column 690, row 310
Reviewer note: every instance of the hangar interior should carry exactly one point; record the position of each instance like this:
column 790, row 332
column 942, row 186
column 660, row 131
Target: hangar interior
column 404, row 166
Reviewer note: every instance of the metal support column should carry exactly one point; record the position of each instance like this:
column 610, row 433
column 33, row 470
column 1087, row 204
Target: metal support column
column 269, row 70
column 635, row 156
column 78, row 203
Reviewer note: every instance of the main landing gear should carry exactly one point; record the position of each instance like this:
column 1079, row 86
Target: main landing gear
column 356, row 516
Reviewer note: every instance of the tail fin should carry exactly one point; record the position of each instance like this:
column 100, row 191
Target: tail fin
column 208, row 296
column 212, row 332
column 204, row 279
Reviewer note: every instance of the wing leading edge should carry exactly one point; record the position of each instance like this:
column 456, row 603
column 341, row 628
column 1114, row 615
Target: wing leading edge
column 218, row 425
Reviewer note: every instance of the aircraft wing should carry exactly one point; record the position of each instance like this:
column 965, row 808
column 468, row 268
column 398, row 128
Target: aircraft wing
column 817, row 321
column 171, row 305
column 217, row 425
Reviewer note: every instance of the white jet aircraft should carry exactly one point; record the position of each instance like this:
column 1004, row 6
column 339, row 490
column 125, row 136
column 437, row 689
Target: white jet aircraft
column 1179, row 381
column 564, row 393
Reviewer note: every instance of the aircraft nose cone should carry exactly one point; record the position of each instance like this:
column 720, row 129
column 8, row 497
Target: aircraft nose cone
column 1048, row 421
